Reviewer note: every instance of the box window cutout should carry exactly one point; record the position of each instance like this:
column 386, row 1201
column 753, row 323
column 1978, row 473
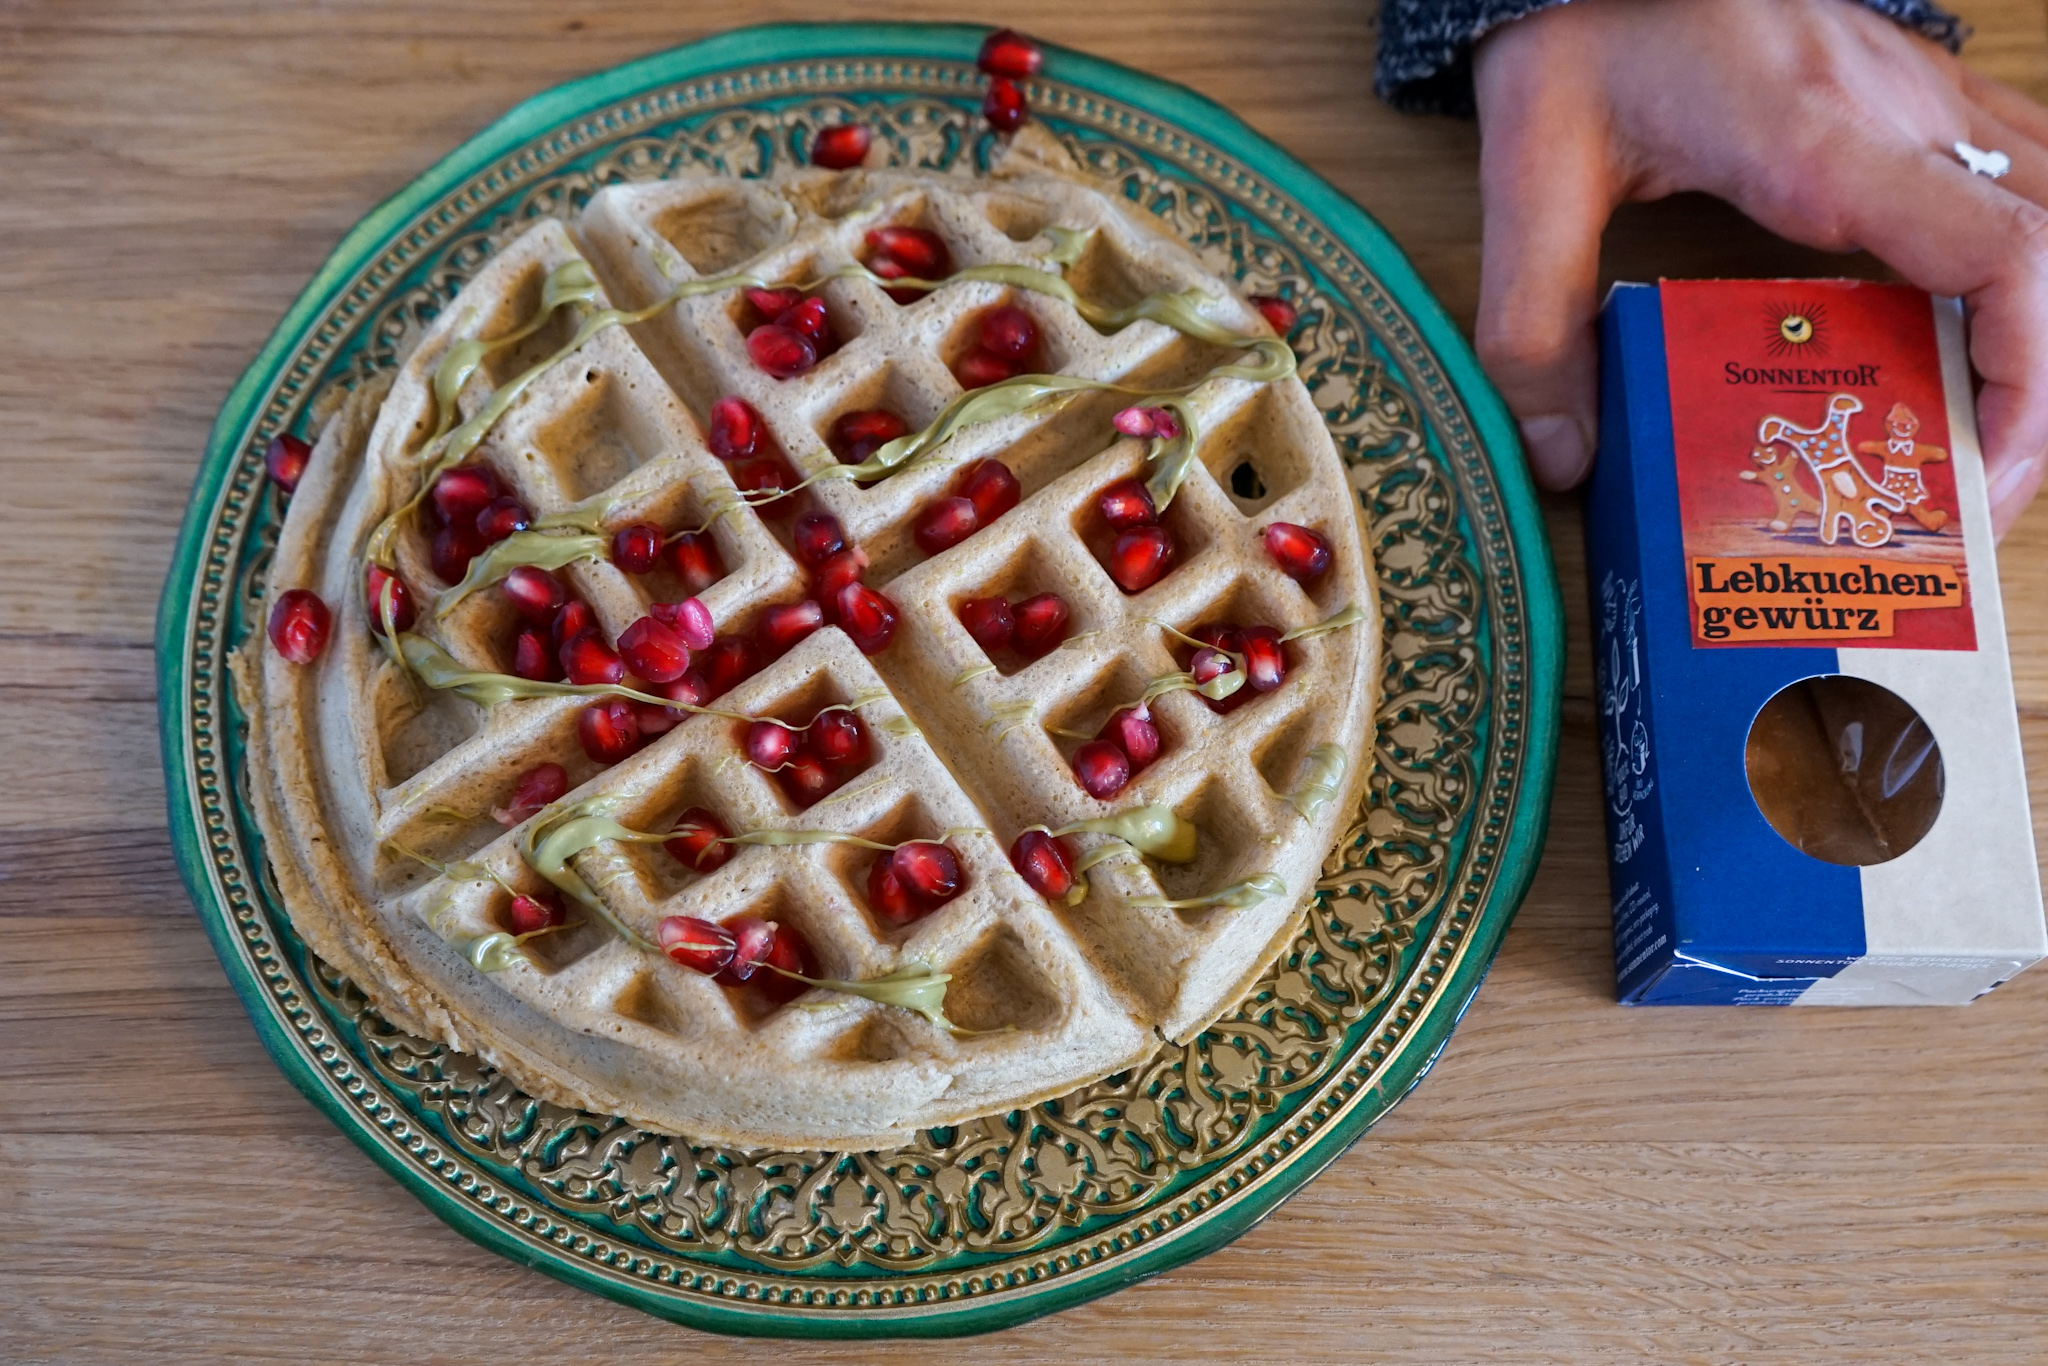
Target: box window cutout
column 1844, row 769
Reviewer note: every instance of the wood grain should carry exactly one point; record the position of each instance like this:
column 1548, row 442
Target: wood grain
column 1574, row 1182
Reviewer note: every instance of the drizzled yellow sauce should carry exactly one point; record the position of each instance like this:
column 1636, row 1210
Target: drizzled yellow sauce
column 1237, row 896
column 1320, row 785
column 528, row 549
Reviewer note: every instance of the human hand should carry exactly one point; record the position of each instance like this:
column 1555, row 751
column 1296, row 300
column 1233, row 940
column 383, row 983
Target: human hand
column 1822, row 120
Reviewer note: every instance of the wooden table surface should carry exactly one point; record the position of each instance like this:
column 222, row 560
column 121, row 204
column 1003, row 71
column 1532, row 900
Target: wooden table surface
column 1574, row 1182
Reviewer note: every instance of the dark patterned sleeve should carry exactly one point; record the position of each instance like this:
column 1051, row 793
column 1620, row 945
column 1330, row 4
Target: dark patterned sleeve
column 1425, row 63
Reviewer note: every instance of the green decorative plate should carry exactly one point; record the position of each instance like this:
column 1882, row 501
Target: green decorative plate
column 987, row 1224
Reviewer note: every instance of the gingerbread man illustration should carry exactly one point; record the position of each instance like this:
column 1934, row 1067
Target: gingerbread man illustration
column 1847, row 492
column 1775, row 471
column 1903, row 457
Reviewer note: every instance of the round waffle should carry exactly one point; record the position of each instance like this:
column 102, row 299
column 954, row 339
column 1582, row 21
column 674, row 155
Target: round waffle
column 369, row 785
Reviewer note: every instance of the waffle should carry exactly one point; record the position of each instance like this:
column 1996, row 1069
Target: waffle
column 361, row 778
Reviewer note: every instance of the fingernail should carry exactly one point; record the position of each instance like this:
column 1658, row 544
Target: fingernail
column 1558, row 452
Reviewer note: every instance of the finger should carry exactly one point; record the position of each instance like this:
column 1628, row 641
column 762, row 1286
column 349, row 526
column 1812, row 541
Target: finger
column 2005, row 104
column 2028, row 177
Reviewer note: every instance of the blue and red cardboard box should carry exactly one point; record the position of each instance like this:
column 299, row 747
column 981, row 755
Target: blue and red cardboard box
column 1801, row 646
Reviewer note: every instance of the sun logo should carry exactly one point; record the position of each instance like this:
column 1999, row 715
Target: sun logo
column 1796, row 327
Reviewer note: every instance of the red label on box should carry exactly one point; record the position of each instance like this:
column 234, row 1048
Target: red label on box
column 1815, row 495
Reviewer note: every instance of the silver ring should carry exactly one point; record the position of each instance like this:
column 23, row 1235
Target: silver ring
column 1990, row 165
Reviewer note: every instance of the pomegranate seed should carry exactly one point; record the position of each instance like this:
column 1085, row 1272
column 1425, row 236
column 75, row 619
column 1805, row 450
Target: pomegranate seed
column 692, row 689
column 532, row 914
column 695, row 559
column 461, row 493
column 807, row 780
column 380, row 583
column 888, row 898
column 1102, row 769
column 637, row 548
column 1301, row 553
column 534, row 789
column 1127, row 503
column 809, row 318
column 655, row 720
column 573, row 620
column 285, row 458
column 945, row 524
column 534, row 658
column 841, row 146
column 610, row 731
column 653, row 651
column 982, row 367
column 534, row 593
column 698, row 841
column 992, row 489
column 501, row 518
column 1264, row 665
column 889, row 268
column 818, row 537
column 299, row 625
column 848, row 566
column 765, row 474
column 868, row 618
column 587, row 660
column 770, row 745
column 730, row 661
column 1008, row 331
column 1278, row 313
column 1141, row 557
column 929, row 872
column 919, row 251
column 786, row 623
column 1148, row 422
column 786, row 950
column 1209, row 664
column 735, row 428
column 858, row 435
column 698, row 945
column 838, row 738
column 1004, row 106
column 753, row 940
column 1219, row 636
column 771, row 304
column 690, row 619
column 1045, row 862
column 1041, row 624
column 454, row 546
column 1131, row 730
column 989, row 621
column 1007, row 52
column 781, row 352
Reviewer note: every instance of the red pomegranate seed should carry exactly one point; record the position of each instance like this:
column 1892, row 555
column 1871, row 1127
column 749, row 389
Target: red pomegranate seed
column 770, row 745
column 1131, row 730
column 1209, row 664
column 698, row 945
column 788, row 951
column 1219, row 636
column 888, row 898
column 1008, row 331
column 534, row 593
column 534, row 658
column 809, row 318
column 656, row 720
column 698, row 843
column 945, row 524
column 461, row 493
column 690, row 619
column 285, row 458
column 786, row 623
column 753, row 940
column 501, row 518
column 692, row 689
column 574, row 618
column 380, row 584
column 735, row 428
column 730, row 661
column 1125, row 504
column 838, row 738
column 587, row 660
column 1278, row 313
column 534, row 789
column 532, row 914
column 1102, row 769
column 921, row 252
column 299, row 625
column 763, row 475
column 1007, row 52
column 454, row 546
column 637, row 548
column 654, row 651
column 1041, row 623
column 929, row 872
column 781, row 352
column 858, row 435
column 989, row 485
column 1148, row 422
column 1004, row 106
column 889, row 268
column 807, row 780
column 848, row 566
column 1141, row 557
column 695, row 559
column 1045, row 862
column 818, row 537
column 1301, row 553
column 609, row 730
column 868, row 618
column 771, row 304
column 989, row 621
column 1265, row 667
column 982, row 367
column 841, row 146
